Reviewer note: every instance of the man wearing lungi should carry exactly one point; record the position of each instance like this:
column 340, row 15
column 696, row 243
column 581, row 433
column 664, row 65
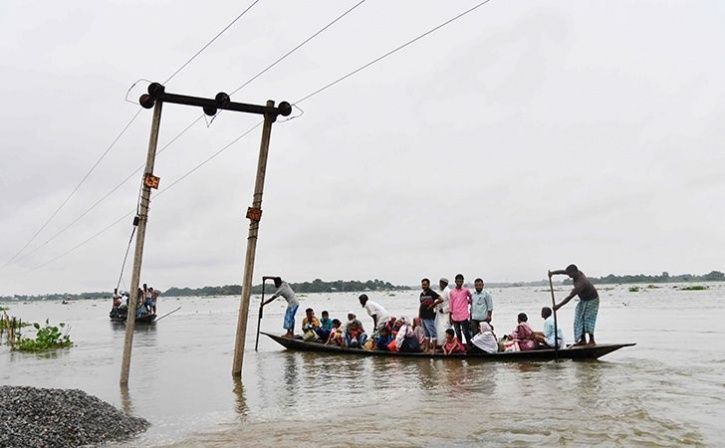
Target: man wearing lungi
column 585, row 315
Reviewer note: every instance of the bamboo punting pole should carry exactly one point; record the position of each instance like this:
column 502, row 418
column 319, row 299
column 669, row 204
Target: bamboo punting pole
column 556, row 327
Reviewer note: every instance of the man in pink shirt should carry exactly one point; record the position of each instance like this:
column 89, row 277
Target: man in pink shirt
column 460, row 299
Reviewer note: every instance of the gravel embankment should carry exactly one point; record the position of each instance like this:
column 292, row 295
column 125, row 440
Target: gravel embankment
column 34, row 417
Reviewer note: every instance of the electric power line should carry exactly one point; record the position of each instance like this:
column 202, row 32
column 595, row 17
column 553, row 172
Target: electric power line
column 113, row 143
column 391, row 52
column 300, row 45
column 304, row 98
column 201, row 50
column 162, row 191
column 75, row 190
column 245, row 84
column 110, row 192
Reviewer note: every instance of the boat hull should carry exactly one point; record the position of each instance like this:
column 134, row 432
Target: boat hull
column 577, row 353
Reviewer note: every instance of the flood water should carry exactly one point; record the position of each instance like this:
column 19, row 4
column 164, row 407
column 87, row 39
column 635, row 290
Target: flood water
column 668, row 390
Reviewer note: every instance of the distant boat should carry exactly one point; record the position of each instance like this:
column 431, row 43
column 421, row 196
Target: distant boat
column 579, row 353
column 119, row 314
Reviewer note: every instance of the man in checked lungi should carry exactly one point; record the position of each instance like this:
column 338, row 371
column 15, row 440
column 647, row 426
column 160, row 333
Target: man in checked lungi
column 585, row 315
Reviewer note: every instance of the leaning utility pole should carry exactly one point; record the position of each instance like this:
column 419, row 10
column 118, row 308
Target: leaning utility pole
column 254, row 213
column 155, row 97
column 149, row 181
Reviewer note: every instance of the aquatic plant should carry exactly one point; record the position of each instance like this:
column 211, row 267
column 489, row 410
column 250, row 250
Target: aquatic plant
column 634, row 289
column 694, row 288
column 47, row 337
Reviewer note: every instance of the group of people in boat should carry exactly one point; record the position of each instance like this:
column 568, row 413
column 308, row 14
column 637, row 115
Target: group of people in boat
column 146, row 302
column 450, row 320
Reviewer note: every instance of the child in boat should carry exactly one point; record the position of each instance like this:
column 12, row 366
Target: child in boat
column 452, row 344
column 523, row 334
column 325, row 326
column 335, row 337
column 310, row 324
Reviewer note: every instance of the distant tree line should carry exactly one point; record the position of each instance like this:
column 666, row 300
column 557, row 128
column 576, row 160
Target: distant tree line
column 316, row 285
column 713, row 276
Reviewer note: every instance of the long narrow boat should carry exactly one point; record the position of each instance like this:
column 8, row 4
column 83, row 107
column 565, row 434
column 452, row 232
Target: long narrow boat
column 581, row 352
column 119, row 315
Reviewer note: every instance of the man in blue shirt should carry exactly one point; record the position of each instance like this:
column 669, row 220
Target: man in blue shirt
column 481, row 306
column 547, row 337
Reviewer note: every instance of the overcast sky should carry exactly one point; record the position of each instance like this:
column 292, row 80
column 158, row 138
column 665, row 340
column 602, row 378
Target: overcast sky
column 525, row 136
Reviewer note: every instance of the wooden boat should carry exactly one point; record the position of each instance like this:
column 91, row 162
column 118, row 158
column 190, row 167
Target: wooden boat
column 119, row 315
column 581, row 352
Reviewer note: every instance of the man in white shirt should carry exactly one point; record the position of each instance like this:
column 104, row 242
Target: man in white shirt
column 284, row 290
column 376, row 311
column 443, row 311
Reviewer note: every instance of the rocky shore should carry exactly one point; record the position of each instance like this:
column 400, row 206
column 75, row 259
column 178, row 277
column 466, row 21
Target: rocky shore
column 35, row 417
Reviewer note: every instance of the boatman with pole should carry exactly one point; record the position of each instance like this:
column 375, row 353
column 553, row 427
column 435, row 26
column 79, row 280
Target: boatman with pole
column 284, row 290
column 585, row 315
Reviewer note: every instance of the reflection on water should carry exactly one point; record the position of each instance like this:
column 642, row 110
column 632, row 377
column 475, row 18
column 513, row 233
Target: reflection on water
column 239, row 400
column 663, row 392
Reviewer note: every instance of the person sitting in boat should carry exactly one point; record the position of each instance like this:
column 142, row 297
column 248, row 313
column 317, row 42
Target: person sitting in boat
column 405, row 339
column 325, row 327
column 523, row 335
column 546, row 338
column 355, row 335
column 376, row 311
column 384, row 339
column 485, row 339
column 336, row 336
column 419, row 332
column 451, row 343
column 284, row 290
column 310, row 325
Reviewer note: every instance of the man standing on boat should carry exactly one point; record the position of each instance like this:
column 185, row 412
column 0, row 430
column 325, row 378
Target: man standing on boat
column 376, row 311
column 481, row 306
column 460, row 299
column 585, row 315
column 427, row 315
column 284, row 290
column 443, row 312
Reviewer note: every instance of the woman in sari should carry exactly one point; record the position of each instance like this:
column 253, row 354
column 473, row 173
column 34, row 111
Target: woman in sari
column 523, row 334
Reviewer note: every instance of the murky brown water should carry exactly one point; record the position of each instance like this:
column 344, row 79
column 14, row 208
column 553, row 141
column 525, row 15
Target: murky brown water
column 666, row 391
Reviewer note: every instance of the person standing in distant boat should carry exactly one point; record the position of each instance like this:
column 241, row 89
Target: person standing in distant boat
column 443, row 312
column 585, row 315
column 284, row 290
column 116, row 298
column 154, row 297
